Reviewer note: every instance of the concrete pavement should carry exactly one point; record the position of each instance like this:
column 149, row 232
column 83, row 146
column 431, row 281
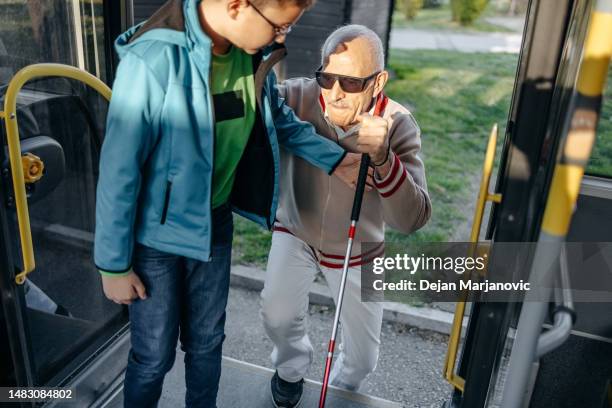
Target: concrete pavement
column 515, row 24
column 410, row 366
column 413, row 39
column 437, row 317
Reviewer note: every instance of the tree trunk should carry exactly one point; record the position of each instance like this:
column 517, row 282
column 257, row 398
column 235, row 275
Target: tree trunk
column 455, row 9
column 512, row 8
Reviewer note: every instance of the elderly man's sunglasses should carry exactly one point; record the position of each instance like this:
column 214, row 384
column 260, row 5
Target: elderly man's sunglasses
column 347, row 83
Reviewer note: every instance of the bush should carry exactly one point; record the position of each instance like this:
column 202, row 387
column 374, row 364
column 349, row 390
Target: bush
column 455, row 9
column 428, row 4
column 470, row 10
column 410, row 8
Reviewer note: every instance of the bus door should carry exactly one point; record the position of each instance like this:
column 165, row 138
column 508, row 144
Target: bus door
column 548, row 66
column 574, row 368
column 56, row 326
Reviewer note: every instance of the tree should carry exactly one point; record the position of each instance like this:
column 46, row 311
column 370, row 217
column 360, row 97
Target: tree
column 467, row 11
column 410, row 8
column 470, row 10
column 455, row 9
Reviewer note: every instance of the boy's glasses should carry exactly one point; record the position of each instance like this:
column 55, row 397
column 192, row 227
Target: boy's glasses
column 278, row 30
column 347, row 83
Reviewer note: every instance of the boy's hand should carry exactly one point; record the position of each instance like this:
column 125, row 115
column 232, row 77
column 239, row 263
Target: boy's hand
column 123, row 289
column 348, row 171
column 373, row 137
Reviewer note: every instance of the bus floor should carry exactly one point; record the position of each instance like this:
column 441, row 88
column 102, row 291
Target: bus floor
column 408, row 371
column 247, row 385
column 409, row 368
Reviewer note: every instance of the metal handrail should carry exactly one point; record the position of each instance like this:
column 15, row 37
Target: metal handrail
column 483, row 196
column 563, row 316
column 12, row 136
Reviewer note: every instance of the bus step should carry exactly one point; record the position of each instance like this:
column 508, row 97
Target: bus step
column 245, row 385
column 253, row 385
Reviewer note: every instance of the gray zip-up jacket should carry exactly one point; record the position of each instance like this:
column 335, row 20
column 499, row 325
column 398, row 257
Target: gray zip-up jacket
column 316, row 207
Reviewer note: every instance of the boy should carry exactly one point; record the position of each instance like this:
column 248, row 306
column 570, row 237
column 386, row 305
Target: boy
column 192, row 134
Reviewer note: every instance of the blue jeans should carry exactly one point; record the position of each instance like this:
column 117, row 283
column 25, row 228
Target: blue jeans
column 183, row 296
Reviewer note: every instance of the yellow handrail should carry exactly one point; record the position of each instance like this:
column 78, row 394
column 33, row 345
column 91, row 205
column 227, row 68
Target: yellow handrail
column 483, row 196
column 590, row 85
column 10, row 116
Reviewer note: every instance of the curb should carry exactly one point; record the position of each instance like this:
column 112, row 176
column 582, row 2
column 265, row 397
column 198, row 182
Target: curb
column 425, row 318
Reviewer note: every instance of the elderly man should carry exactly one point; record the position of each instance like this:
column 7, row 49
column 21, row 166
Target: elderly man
column 345, row 104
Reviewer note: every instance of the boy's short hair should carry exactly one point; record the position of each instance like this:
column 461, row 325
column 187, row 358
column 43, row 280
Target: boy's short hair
column 300, row 3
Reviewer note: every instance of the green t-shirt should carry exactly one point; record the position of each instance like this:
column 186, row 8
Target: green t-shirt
column 233, row 90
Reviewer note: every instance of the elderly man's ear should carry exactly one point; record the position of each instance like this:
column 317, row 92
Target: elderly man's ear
column 381, row 81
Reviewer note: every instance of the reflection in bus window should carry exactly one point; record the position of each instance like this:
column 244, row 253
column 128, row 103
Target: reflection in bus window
column 601, row 159
column 61, row 31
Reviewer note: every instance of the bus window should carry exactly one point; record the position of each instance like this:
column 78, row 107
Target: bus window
column 66, row 308
column 600, row 163
column 62, row 31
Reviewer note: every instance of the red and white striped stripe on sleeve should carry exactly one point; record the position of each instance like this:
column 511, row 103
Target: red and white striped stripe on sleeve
column 392, row 181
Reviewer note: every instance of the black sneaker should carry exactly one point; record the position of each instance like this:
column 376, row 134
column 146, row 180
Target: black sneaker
column 286, row 394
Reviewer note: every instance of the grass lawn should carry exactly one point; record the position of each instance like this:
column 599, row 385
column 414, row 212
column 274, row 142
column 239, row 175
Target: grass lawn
column 440, row 19
column 456, row 98
column 601, row 159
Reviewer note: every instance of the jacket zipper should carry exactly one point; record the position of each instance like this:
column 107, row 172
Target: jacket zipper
column 211, row 106
column 166, row 202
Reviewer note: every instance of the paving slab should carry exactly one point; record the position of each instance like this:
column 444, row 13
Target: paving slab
column 414, row 39
column 245, row 385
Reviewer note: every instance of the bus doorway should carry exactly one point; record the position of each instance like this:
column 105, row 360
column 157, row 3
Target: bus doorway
column 55, row 322
column 57, row 328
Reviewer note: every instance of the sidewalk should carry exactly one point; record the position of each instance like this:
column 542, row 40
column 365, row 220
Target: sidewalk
column 515, row 24
column 412, row 39
column 437, row 319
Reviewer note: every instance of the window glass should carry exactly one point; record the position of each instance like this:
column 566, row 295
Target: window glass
column 600, row 163
column 62, row 122
column 61, row 31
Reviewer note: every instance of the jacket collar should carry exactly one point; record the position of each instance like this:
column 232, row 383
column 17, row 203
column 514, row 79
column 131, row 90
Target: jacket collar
column 196, row 37
column 183, row 16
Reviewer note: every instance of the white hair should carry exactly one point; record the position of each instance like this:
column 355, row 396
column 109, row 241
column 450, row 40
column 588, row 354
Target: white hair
column 348, row 33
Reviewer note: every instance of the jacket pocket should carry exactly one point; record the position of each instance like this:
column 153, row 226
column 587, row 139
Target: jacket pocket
column 166, row 202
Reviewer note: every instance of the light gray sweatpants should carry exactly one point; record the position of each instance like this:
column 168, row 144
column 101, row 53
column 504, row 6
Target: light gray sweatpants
column 292, row 266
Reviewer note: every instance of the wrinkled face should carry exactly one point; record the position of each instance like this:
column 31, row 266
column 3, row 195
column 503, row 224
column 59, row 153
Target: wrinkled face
column 354, row 58
column 252, row 27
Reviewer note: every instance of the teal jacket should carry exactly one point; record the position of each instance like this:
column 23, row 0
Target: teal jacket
column 156, row 163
